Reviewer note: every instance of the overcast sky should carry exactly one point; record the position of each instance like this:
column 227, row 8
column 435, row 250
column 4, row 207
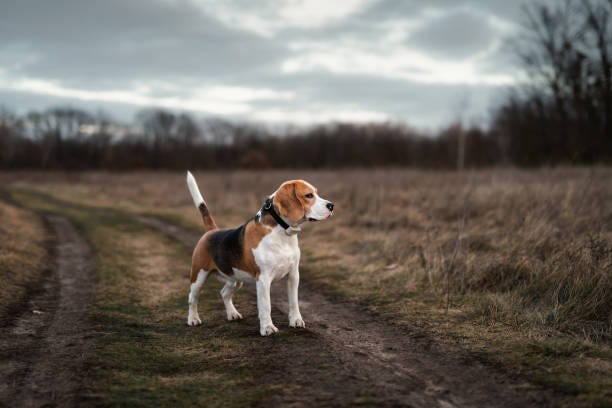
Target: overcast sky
column 422, row 62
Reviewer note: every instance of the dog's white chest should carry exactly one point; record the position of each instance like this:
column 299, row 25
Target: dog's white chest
column 277, row 254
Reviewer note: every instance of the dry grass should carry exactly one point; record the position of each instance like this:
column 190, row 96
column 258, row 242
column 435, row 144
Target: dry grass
column 533, row 247
column 147, row 257
column 22, row 254
column 516, row 264
column 145, row 355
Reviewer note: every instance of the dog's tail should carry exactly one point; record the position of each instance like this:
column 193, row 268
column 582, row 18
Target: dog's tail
column 209, row 222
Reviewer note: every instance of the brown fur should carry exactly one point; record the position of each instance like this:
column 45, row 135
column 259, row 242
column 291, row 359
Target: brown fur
column 201, row 259
column 253, row 235
column 209, row 222
column 290, row 201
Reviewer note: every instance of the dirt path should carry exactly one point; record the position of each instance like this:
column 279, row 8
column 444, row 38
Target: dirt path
column 348, row 355
column 44, row 346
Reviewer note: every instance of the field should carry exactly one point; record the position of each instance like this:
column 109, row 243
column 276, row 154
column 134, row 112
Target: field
column 506, row 272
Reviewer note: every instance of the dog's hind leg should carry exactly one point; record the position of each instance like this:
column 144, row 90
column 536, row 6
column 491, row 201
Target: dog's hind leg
column 227, row 293
column 193, row 318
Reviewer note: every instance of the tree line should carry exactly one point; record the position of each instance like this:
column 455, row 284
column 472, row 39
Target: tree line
column 67, row 138
column 561, row 114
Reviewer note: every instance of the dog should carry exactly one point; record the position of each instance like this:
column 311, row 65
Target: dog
column 262, row 250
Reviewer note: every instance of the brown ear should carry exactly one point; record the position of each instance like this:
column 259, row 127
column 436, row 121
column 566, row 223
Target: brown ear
column 287, row 202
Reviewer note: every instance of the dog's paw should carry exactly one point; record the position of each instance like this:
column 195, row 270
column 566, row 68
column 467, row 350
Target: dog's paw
column 296, row 322
column 194, row 321
column 234, row 315
column 268, row 330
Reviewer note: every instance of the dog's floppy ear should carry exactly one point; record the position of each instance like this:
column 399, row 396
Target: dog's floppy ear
column 287, row 202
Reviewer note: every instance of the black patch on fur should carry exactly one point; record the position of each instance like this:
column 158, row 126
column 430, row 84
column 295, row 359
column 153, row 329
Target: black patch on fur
column 225, row 246
column 203, row 209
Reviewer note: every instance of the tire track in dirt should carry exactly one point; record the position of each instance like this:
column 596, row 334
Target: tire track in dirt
column 44, row 346
column 377, row 362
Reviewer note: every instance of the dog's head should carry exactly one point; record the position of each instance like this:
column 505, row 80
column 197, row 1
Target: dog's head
column 298, row 201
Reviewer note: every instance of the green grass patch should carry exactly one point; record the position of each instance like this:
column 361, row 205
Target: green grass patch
column 146, row 355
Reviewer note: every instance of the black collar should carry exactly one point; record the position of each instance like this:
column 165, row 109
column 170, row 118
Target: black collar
column 269, row 208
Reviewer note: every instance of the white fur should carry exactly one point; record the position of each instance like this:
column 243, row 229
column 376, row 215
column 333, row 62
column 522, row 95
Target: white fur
column 227, row 294
column 194, row 190
column 277, row 255
column 319, row 211
column 193, row 318
column 243, row 276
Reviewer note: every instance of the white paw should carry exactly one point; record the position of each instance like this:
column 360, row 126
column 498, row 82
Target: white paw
column 268, row 330
column 296, row 322
column 194, row 321
column 234, row 315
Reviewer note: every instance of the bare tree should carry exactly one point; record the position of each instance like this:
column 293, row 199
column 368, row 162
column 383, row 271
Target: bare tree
column 565, row 49
column 598, row 36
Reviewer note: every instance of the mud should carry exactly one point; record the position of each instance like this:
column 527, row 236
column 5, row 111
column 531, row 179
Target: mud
column 46, row 341
column 349, row 355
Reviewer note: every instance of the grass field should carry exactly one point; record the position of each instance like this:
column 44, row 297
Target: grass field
column 145, row 357
column 515, row 266
column 23, row 254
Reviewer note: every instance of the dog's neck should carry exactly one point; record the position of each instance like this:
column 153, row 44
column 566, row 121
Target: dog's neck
column 266, row 217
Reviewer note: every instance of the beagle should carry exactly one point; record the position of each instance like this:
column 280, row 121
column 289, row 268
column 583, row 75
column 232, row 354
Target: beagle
column 262, row 250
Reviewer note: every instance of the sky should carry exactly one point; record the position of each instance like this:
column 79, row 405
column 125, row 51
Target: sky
column 425, row 63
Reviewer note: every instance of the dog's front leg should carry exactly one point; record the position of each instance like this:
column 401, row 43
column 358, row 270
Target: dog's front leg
column 293, row 281
column 266, row 327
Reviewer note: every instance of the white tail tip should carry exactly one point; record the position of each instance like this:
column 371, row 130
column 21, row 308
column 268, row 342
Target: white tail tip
column 194, row 190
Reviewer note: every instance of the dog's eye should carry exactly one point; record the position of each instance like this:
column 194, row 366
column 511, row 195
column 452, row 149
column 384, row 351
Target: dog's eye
column 309, row 195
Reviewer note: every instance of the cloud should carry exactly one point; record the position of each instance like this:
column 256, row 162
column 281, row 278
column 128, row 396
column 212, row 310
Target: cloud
column 387, row 62
column 302, row 60
column 116, row 42
column 268, row 17
column 420, row 104
column 456, row 35
column 215, row 100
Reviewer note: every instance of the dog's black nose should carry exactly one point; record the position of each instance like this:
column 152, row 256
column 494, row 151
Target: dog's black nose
column 330, row 206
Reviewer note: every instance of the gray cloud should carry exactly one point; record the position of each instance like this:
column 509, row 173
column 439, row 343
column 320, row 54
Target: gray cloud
column 458, row 34
column 97, row 43
column 24, row 102
column 112, row 45
column 386, row 9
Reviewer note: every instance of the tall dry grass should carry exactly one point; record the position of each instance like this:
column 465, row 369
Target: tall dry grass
column 23, row 256
column 530, row 249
